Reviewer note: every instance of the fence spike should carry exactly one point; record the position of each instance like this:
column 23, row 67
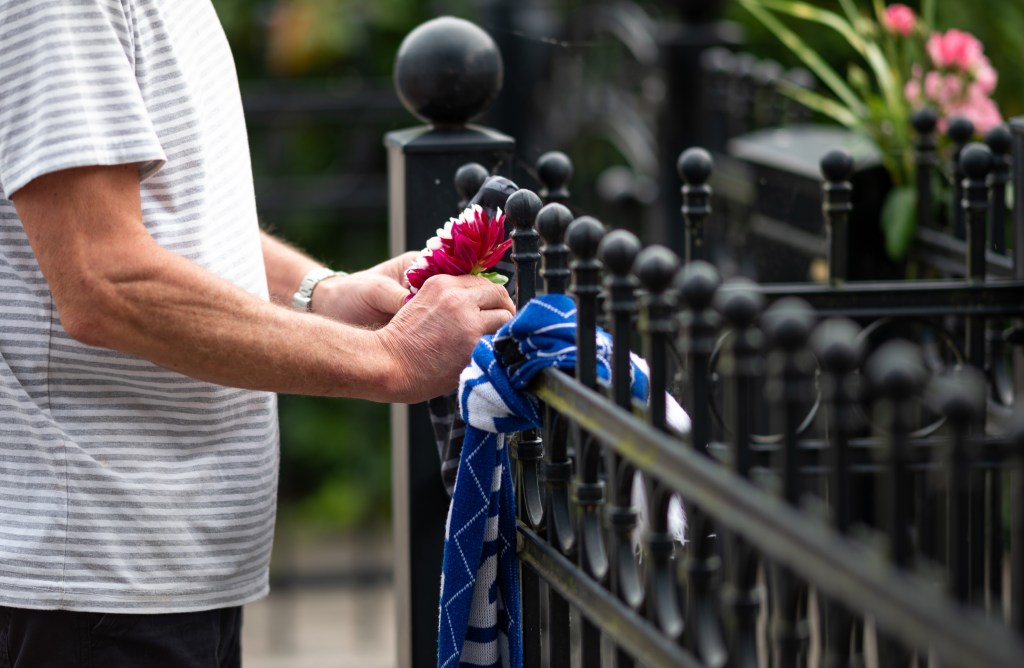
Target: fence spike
column 554, row 170
column 521, row 210
column 837, row 344
column 837, row 191
column 552, row 222
column 468, row 180
column 1000, row 142
column 694, row 167
column 960, row 396
column 960, row 131
column 924, row 121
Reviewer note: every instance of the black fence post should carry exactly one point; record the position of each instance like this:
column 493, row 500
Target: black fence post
column 837, row 345
column 618, row 251
column 837, row 191
column 552, row 222
column 447, row 72
column 960, row 130
column 924, row 121
column 787, row 325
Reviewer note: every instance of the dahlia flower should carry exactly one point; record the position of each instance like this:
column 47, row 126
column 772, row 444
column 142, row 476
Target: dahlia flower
column 470, row 244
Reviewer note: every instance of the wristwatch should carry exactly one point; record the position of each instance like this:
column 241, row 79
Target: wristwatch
column 303, row 297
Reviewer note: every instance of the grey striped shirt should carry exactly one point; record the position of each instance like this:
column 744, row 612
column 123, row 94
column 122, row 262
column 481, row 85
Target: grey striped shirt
column 123, row 486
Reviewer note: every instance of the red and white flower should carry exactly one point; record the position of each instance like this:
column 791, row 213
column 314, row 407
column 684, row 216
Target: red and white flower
column 473, row 243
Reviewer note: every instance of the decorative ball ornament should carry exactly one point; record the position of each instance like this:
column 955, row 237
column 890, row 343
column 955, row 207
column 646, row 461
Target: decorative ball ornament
column 448, row 71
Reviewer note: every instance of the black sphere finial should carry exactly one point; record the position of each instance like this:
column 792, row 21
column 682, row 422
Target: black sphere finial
column 837, row 165
column 739, row 301
column 976, row 161
column 583, row 236
column 552, row 222
column 837, row 343
column 617, row 252
column 924, row 120
column 697, row 283
column 448, row 71
column 959, row 395
column 554, row 170
column 468, row 180
column 960, row 129
column 694, row 166
column 788, row 323
column 999, row 140
column 655, row 266
column 897, row 370
column 522, row 207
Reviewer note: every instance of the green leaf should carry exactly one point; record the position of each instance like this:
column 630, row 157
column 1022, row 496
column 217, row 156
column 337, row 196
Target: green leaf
column 899, row 221
column 802, row 51
column 821, row 104
column 869, row 50
column 495, row 277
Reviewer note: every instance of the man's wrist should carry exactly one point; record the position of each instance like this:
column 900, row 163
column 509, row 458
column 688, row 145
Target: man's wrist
column 303, row 297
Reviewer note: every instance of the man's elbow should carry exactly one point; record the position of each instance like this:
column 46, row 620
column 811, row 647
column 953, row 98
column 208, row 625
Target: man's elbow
column 87, row 316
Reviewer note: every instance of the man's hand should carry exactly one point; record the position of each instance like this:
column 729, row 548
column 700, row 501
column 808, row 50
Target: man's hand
column 366, row 298
column 432, row 337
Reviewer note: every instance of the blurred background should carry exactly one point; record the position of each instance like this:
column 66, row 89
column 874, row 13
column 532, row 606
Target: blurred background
column 316, row 83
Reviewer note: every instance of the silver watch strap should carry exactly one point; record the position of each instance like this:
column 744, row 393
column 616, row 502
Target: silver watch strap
column 303, row 297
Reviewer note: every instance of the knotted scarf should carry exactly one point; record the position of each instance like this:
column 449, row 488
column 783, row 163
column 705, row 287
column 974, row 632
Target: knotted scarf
column 479, row 621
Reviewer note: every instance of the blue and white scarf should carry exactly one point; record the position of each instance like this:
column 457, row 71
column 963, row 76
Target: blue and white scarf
column 479, row 621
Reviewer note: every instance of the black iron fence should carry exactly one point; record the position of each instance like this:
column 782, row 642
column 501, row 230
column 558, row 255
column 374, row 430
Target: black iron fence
column 852, row 478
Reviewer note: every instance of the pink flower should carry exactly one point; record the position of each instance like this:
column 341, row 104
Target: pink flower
column 900, row 19
column 470, row 244
column 955, row 48
column 981, row 111
column 985, row 77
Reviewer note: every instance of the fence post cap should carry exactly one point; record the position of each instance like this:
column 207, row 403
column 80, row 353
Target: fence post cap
column 999, row 140
column 554, row 169
column 960, row 129
column 655, row 266
column 618, row 251
column 739, row 301
column 522, row 208
column 924, row 120
column 694, row 166
column 837, row 343
column 837, row 165
column 583, row 237
column 448, row 71
column 897, row 370
column 788, row 323
column 552, row 222
column 959, row 395
column 697, row 284
column 469, row 178
column 976, row 160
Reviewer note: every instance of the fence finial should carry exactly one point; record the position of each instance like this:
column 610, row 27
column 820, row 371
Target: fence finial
column 694, row 167
column 552, row 222
column 924, row 121
column 521, row 210
column 837, row 168
column 448, row 71
column 1000, row 142
column 468, row 180
column 975, row 164
column 960, row 130
column 554, row 170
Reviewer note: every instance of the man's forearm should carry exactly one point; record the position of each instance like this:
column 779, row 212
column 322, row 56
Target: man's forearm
column 286, row 266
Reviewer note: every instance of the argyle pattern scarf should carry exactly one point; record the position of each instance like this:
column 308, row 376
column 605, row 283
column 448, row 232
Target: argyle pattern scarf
column 479, row 622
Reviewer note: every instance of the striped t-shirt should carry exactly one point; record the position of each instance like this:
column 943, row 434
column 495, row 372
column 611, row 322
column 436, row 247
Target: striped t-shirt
column 125, row 487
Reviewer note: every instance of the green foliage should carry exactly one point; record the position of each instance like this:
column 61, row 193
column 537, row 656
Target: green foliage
column 899, row 220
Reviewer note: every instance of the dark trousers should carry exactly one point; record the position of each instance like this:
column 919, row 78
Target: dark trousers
column 62, row 639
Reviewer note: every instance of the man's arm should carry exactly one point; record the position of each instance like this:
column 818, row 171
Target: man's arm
column 365, row 298
column 115, row 287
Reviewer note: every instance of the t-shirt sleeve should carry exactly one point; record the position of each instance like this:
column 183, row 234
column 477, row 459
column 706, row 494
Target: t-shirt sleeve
column 68, row 92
